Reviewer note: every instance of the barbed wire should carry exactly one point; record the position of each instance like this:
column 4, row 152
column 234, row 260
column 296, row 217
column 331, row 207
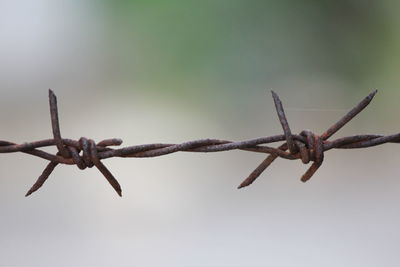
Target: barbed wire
column 306, row 146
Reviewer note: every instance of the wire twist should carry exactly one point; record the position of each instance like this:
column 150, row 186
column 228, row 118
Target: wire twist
column 307, row 146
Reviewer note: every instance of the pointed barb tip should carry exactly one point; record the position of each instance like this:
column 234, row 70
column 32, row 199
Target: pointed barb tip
column 373, row 93
column 304, row 179
column 246, row 183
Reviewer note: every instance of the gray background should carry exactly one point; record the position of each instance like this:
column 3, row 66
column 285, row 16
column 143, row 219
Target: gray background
column 156, row 71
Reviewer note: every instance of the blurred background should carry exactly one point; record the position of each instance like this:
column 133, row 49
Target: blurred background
column 173, row 71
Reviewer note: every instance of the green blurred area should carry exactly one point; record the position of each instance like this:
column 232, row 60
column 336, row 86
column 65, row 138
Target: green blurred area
column 237, row 45
column 206, row 56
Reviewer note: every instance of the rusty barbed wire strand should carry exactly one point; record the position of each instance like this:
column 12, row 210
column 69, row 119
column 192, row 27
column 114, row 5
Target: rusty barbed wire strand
column 307, row 146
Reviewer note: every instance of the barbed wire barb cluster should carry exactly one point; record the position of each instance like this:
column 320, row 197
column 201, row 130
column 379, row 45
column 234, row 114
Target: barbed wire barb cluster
column 306, row 146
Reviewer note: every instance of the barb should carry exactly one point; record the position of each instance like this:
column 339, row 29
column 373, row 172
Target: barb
column 307, row 146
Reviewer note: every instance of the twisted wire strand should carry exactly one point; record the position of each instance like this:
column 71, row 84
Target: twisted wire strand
column 306, row 146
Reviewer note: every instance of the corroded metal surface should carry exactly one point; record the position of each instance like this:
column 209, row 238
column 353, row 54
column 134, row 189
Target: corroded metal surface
column 307, row 146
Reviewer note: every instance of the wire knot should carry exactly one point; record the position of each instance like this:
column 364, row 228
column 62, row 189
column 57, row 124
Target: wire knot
column 313, row 149
column 89, row 153
column 69, row 149
column 90, row 149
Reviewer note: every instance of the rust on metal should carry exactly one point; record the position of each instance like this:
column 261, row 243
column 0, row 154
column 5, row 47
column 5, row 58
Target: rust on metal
column 306, row 146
